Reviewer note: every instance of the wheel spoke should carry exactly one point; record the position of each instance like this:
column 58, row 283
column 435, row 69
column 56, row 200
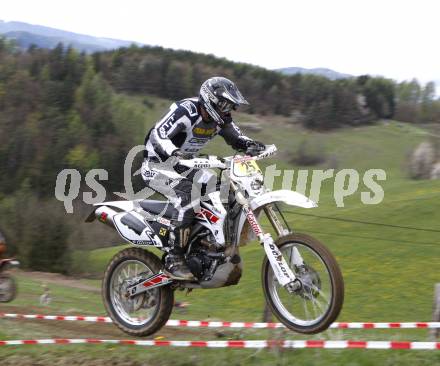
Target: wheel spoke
column 324, row 308
column 302, row 307
column 315, row 308
column 306, row 310
column 131, row 310
column 321, row 294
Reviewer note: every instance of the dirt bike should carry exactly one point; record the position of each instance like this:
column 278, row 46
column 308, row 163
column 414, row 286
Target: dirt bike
column 302, row 282
column 8, row 286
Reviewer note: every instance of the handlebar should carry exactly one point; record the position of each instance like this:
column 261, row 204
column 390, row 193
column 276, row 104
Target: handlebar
column 215, row 162
column 203, row 163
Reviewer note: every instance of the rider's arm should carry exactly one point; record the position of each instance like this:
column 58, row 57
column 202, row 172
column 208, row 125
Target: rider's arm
column 234, row 137
column 167, row 130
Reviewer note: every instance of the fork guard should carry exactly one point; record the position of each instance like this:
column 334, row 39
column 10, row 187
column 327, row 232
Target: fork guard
column 258, row 203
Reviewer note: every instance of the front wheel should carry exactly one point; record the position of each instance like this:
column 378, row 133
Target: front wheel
column 146, row 313
column 8, row 288
column 318, row 302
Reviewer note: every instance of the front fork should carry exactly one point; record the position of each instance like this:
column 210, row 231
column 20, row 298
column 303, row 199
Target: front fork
column 280, row 229
column 283, row 273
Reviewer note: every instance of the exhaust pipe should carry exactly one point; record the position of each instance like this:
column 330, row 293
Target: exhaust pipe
column 104, row 214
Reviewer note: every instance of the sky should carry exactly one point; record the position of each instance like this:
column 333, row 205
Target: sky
column 396, row 39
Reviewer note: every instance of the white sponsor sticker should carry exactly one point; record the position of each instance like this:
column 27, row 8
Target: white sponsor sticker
column 190, row 107
column 163, row 221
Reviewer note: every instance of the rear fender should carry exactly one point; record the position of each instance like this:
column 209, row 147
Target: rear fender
column 130, row 224
column 118, row 205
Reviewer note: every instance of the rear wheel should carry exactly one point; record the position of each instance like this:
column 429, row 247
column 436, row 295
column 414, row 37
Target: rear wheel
column 318, row 302
column 8, row 288
column 146, row 313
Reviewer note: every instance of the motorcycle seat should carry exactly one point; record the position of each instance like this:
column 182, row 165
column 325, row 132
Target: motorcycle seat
column 156, row 207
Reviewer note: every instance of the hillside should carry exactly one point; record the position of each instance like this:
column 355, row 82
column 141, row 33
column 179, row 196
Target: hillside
column 371, row 257
column 26, row 39
column 320, row 71
column 388, row 272
column 84, row 107
column 46, row 37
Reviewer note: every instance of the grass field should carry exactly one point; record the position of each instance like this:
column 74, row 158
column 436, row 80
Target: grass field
column 72, row 299
column 389, row 272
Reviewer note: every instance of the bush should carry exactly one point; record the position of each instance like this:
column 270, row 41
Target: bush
column 38, row 232
column 435, row 172
column 47, row 240
column 421, row 161
column 309, row 152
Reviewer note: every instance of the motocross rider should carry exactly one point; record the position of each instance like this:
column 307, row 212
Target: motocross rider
column 2, row 245
column 187, row 127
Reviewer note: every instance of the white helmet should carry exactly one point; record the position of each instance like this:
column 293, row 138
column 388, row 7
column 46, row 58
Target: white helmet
column 219, row 96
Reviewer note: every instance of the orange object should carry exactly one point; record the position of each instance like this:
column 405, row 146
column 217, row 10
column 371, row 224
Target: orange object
column 2, row 249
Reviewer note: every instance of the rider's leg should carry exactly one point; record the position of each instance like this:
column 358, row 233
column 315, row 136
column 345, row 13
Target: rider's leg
column 178, row 190
column 175, row 263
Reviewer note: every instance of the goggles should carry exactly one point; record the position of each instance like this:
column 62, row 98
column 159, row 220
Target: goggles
column 225, row 106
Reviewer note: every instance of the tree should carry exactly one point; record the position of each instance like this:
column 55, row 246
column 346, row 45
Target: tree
column 93, row 102
column 428, row 109
column 178, row 80
column 379, row 94
column 408, row 101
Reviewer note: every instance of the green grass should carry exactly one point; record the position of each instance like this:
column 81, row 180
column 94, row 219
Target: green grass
column 389, row 273
column 67, row 300
column 133, row 355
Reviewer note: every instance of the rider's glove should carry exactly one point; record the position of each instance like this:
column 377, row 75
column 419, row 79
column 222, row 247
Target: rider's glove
column 181, row 155
column 253, row 148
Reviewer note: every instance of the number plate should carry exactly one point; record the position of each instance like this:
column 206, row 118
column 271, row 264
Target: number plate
column 246, row 168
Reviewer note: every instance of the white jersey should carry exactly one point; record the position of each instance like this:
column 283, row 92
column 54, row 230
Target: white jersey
column 183, row 128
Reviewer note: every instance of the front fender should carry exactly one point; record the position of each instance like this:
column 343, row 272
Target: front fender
column 289, row 197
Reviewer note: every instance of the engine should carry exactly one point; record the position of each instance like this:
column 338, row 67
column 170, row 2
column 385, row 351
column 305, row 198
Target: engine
column 214, row 265
column 205, row 257
column 199, row 264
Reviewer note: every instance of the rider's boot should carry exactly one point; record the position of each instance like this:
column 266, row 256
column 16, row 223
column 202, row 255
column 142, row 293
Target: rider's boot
column 175, row 264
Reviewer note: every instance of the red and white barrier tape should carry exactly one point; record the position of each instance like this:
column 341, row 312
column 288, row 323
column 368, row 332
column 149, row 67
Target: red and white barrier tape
column 94, row 319
column 405, row 325
column 221, row 324
column 240, row 344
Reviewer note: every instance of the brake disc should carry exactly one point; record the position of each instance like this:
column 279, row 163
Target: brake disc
column 310, row 281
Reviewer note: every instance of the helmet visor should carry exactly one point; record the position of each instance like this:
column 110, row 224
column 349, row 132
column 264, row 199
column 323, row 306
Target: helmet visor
column 225, row 106
column 232, row 93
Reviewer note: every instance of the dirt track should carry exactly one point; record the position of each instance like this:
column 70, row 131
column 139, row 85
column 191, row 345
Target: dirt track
column 78, row 329
column 59, row 279
column 100, row 356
